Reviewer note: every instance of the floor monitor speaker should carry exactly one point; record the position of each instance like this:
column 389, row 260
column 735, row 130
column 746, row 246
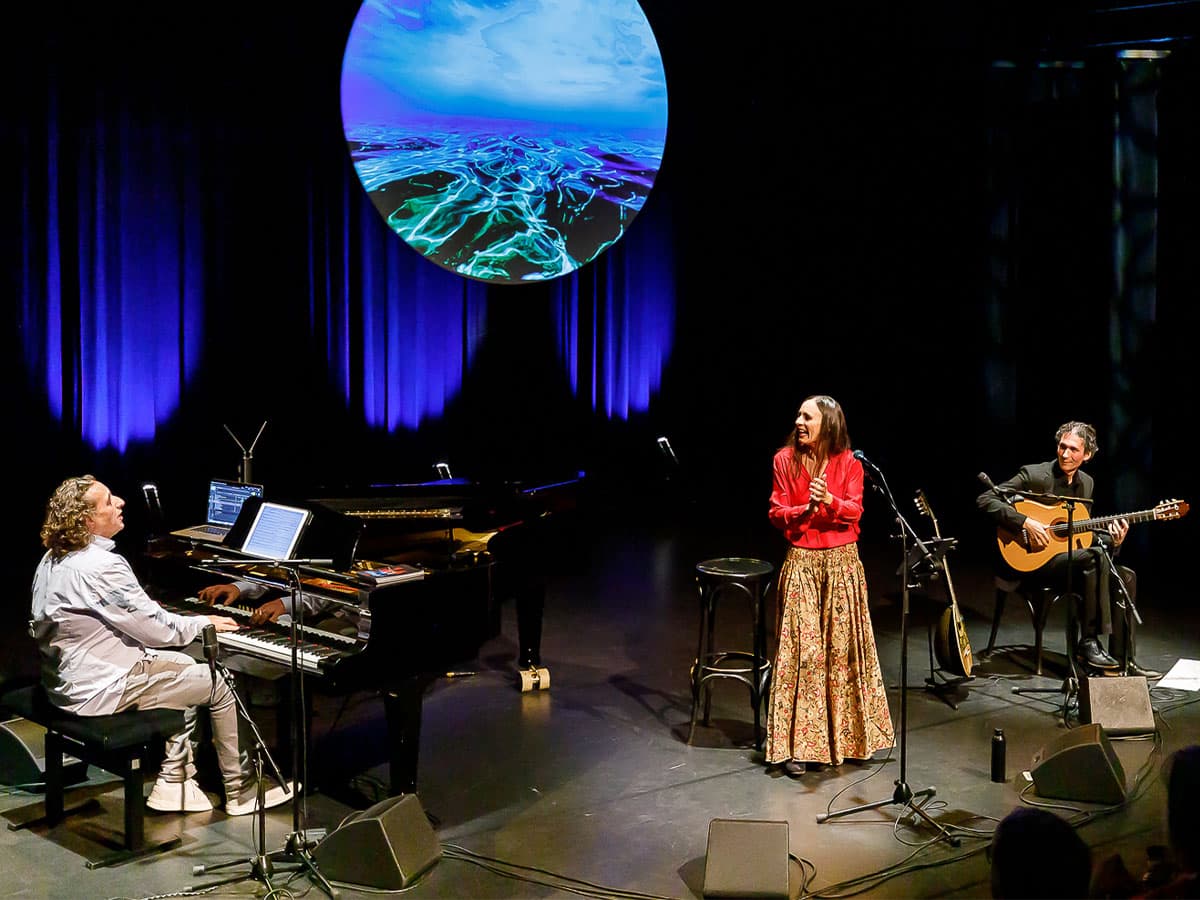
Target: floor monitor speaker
column 386, row 847
column 1119, row 705
column 1080, row 765
column 746, row 858
column 23, row 756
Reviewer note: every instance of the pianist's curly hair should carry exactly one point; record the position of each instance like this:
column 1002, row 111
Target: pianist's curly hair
column 67, row 513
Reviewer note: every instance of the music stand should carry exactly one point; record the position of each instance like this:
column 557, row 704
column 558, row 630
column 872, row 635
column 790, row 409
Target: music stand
column 922, row 568
column 930, row 557
column 297, row 848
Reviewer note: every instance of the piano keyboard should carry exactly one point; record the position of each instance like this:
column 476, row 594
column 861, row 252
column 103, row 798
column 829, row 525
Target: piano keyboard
column 272, row 641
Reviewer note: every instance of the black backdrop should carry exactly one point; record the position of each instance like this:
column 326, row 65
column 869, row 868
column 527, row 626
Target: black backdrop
column 829, row 184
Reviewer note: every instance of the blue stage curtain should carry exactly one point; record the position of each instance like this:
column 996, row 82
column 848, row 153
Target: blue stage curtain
column 112, row 279
column 615, row 322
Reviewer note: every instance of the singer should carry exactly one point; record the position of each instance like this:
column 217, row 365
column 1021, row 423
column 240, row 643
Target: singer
column 828, row 701
column 1103, row 609
column 98, row 632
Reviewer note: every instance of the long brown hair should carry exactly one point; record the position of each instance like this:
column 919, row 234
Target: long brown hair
column 834, row 436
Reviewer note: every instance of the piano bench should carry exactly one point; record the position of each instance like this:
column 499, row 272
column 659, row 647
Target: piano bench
column 115, row 743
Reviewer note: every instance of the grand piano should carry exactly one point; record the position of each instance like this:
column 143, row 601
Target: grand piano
column 468, row 547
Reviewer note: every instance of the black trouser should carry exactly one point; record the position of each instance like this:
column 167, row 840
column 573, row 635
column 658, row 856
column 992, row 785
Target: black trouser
column 1102, row 608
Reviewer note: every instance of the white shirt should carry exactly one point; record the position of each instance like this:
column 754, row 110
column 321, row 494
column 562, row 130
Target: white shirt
column 93, row 622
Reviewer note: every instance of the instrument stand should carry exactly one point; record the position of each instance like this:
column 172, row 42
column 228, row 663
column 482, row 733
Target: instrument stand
column 903, row 795
column 951, row 691
column 1070, row 684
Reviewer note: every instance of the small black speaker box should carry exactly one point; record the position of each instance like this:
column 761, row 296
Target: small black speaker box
column 23, row 756
column 1080, row 765
column 1119, row 705
column 746, row 858
column 387, row 846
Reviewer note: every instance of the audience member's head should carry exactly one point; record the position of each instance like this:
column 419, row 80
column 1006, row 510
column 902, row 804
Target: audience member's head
column 1038, row 854
column 1183, row 807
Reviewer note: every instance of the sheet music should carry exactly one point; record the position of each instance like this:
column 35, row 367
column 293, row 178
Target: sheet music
column 1184, row 676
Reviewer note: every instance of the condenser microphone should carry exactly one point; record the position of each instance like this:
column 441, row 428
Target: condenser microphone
column 862, row 458
column 208, row 638
column 1002, row 494
column 668, row 451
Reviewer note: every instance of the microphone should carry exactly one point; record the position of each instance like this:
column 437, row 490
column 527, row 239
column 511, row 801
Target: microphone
column 862, row 458
column 208, row 637
column 995, row 489
column 665, row 446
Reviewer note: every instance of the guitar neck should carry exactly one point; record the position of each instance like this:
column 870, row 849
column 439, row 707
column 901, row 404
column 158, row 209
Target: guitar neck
column 1100, row 523
column 937, row 533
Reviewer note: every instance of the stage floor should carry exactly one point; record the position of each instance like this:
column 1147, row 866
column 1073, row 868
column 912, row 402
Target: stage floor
column 589, row 787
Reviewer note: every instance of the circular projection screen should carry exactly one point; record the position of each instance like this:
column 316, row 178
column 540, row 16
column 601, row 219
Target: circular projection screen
column 506, row 140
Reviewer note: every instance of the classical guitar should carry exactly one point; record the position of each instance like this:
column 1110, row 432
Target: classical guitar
column 1015, row 549
column 951, row 645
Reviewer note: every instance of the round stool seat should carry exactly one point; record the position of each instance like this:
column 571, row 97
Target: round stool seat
column 735, row 567
column 749, row 578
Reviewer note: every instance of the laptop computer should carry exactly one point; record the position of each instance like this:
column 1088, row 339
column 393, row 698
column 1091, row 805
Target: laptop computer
column 225, row 499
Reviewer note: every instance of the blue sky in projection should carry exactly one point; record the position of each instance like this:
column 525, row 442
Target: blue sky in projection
column 511, row 140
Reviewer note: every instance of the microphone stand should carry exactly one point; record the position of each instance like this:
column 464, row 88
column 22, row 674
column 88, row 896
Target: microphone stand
column 1070, row 685
column 1131, row 614
column 903, row 795
column 261, row 867
column 297, row 848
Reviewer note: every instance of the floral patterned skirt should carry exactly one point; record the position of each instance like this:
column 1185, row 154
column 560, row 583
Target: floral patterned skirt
column 827, row 702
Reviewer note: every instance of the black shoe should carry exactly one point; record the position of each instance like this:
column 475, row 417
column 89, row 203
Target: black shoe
column 1095, row 656
column 1148, row 674
column 794, row 768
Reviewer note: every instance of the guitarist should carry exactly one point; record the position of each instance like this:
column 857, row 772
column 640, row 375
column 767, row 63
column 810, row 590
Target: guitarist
column 1103, row 609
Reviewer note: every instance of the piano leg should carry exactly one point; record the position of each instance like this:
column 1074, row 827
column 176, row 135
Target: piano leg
column 531, row 604
column 402, row 708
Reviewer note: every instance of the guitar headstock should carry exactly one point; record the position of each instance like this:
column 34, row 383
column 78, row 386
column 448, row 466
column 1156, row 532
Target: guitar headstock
column 922, row 504
column 1170, row 509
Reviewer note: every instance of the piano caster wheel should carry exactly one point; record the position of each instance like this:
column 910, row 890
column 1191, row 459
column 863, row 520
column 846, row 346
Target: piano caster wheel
column 535, row 679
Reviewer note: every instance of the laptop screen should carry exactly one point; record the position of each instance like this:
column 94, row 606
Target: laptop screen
column 276, row 531
column 225, row 499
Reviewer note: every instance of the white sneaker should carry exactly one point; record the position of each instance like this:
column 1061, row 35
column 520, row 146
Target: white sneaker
column 178, row 796
column 248, row 802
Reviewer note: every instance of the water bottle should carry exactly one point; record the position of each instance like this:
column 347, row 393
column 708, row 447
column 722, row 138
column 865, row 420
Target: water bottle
column 998, row 756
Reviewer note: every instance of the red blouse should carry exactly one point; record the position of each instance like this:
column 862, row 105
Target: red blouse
column 829, row 525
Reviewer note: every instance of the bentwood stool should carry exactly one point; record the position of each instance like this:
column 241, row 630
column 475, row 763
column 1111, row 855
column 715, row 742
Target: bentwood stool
column 751, row 580
column 1039, row 598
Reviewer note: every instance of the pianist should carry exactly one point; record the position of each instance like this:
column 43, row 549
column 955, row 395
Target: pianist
column 327, row 615
column 97, row 630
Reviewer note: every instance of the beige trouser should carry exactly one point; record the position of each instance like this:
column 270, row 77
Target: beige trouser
column 176, row 681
